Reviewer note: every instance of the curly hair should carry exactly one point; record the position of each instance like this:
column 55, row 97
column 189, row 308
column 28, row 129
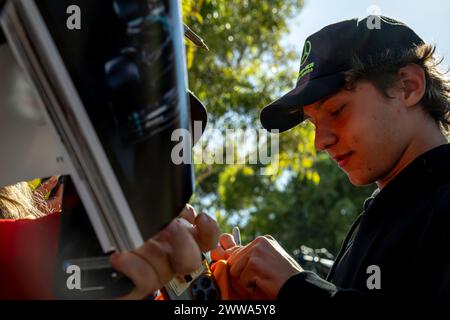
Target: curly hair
column 382, row 71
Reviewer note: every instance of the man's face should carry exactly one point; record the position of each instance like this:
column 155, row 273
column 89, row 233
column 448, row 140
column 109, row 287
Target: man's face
column 362, row 130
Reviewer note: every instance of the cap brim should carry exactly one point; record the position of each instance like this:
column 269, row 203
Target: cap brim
column 198, row 113
column 287, row 112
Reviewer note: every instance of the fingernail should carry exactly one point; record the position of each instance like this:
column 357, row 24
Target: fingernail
column 172, row 227
column 183, row 222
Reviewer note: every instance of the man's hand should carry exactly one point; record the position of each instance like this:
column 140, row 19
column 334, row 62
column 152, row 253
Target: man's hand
column 226, row 247
column 175, row 250
column 262, row 266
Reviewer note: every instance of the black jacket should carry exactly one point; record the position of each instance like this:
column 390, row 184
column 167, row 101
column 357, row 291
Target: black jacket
column 404, row 229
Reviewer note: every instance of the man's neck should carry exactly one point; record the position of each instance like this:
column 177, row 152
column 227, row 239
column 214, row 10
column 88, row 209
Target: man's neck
column 427, row 139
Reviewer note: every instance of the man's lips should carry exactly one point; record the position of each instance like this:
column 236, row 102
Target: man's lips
column 343, row 159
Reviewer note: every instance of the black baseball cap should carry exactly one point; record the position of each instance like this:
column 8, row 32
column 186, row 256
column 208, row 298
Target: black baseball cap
column 326, row 55
column 198, row 110
column 198, row 113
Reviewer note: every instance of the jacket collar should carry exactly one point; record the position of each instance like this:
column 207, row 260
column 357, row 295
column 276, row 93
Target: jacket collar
column 431, row 167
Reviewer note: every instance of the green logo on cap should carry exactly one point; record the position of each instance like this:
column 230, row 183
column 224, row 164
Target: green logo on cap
column 304, row 70
column 306, row 52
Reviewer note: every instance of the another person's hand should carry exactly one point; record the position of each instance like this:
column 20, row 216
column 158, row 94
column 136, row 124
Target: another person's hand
column 261, row 267
column 205, row 230
column 41, row 193
column 175, row 250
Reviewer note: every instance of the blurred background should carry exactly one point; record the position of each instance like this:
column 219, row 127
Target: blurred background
column 253, row 58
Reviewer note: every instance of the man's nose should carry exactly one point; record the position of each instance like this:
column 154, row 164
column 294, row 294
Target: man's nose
column 324, row 138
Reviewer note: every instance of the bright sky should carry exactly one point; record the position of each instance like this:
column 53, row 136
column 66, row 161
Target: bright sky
column 428, row 18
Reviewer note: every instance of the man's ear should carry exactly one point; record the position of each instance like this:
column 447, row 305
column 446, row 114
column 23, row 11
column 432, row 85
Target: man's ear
column 413, row 83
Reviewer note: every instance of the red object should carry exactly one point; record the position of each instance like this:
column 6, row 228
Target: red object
column 28, row 250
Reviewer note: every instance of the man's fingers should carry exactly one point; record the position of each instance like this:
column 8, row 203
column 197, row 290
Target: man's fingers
column 238, row 262
column 247, row 273
column 218, row 254
column 225, row 249
column 226, row 241
column 231, row 251
column 256, row 245
column 239, row 259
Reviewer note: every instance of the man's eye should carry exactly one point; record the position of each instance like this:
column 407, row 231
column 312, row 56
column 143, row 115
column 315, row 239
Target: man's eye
column 335, row 113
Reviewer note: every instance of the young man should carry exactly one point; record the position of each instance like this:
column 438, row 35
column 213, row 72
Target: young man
column 379, row 107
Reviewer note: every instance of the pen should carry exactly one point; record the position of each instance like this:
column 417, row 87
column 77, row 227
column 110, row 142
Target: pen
column 191, row 35
column 236, row 235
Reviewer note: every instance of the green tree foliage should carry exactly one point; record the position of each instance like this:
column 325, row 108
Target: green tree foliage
column 307, row 200
column 244, row 37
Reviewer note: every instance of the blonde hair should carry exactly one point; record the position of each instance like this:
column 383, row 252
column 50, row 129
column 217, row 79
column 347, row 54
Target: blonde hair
column 19, row 202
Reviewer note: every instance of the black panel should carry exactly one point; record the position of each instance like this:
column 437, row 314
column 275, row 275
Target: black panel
column 125, row 76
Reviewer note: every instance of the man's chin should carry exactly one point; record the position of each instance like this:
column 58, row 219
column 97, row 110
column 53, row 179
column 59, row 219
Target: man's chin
column 358, row 180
